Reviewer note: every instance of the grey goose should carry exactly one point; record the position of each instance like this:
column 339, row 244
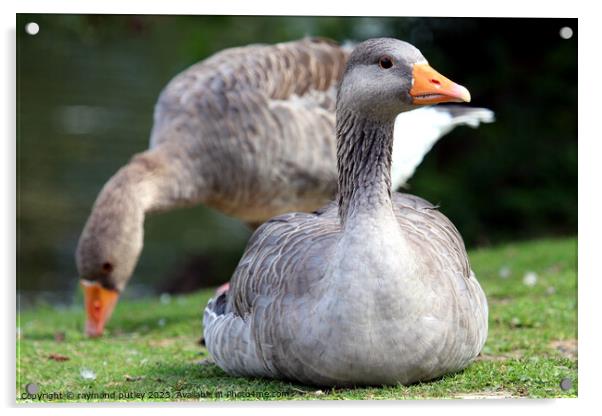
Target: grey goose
column 372, row 289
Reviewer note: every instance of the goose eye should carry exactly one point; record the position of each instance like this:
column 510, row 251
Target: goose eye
column 107, row 267
column 385, row 62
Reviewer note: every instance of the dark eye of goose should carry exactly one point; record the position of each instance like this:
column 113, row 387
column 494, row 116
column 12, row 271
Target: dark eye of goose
column 385, row 62
column 107, row 267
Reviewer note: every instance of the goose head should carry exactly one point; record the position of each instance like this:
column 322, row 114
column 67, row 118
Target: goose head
column 383, row 78
column 106, row 256
column 386, row 76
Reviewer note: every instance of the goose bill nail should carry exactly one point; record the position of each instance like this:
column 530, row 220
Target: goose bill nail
column 430, row 87
column 99, row 303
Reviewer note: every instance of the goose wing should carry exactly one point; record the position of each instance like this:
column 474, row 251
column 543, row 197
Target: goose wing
column 442, row 250
column 433, row 233
column 288, row 245
column 291, row 245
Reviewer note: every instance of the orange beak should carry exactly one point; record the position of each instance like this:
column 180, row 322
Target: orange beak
column 100, row 303
column 430, row 87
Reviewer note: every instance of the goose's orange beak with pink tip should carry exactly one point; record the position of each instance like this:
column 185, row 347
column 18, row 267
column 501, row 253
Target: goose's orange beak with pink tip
column 99, row 303
column 430, row 87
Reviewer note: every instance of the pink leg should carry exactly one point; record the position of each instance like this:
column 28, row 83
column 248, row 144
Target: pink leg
column 222, row 289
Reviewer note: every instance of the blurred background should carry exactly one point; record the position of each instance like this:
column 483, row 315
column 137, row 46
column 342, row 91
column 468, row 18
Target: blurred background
column 87, row 85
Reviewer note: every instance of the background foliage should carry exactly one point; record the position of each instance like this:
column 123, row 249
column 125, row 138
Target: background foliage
column 87, row 85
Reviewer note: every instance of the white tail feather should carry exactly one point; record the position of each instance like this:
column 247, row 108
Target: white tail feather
column 417, row 131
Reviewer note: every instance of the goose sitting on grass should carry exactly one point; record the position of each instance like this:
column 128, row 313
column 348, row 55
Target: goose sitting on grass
column 373, row 289
column 249, row 132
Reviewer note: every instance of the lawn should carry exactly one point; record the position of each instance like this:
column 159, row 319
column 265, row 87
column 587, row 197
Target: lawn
column 151, row 351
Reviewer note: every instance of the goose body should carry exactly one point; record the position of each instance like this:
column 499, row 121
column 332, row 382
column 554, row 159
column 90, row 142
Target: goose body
column 375, row 288
column 249, row 132
column 354, row 320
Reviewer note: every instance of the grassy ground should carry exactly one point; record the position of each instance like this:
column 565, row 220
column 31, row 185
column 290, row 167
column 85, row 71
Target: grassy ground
column 151, row 351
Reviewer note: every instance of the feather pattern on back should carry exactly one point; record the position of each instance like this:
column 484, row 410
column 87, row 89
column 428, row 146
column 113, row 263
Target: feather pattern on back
column 257, row 124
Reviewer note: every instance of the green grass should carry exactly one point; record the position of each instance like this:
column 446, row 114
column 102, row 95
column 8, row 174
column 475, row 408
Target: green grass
column 152, row 345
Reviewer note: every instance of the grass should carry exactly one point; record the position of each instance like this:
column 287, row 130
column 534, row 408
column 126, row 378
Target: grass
column 151, row 351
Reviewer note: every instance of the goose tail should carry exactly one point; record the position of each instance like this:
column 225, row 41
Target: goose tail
column 469, row 116
column 229, row 338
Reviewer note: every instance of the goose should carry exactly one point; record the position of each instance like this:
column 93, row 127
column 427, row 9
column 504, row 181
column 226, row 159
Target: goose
column 249, row 132
column 374, row 288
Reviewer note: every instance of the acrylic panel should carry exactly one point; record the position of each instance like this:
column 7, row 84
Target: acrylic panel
column 151, row 149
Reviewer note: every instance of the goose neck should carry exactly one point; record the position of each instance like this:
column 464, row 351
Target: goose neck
column 364, row 148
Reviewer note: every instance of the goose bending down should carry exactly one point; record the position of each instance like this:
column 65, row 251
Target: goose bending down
column 373, row 289
column 249, row 132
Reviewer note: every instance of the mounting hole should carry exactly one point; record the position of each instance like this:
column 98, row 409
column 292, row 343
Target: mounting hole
column 566, row 32
column 32, row 28
column 32, row 388
column 566, row 384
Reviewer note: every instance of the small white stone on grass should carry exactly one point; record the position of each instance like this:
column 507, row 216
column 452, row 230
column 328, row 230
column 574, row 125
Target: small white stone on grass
column 165, row 298
column 505, row 272
column 87, row 374
column 530, row 279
